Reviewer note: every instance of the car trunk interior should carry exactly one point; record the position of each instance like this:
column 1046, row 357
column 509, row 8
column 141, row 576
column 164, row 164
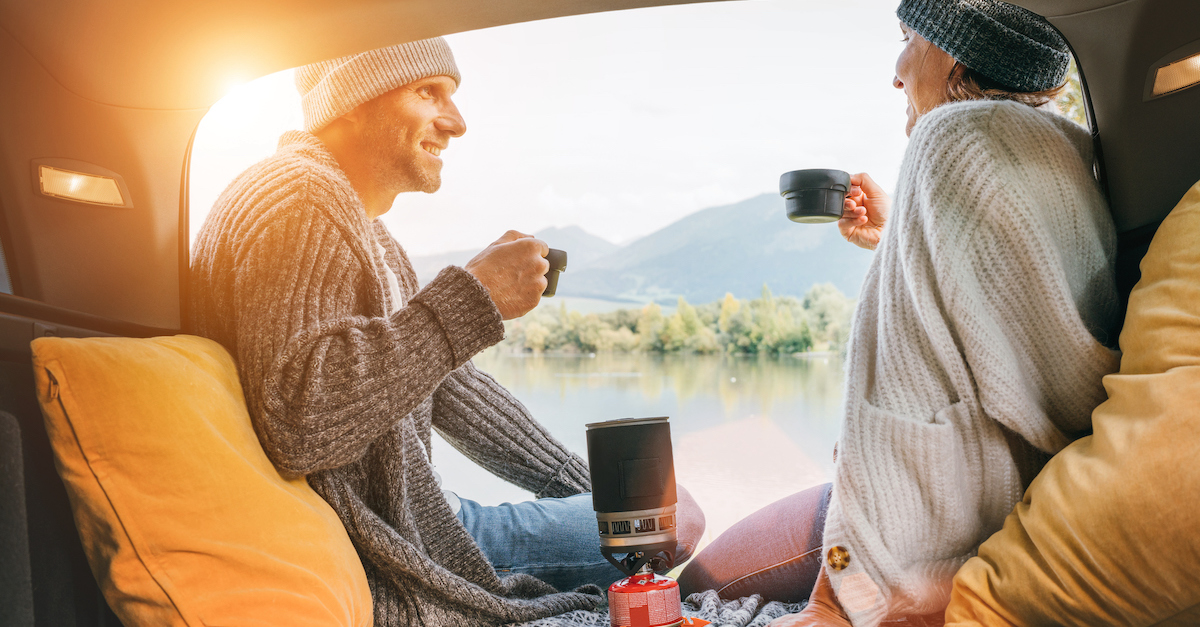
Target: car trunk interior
column 122, row 86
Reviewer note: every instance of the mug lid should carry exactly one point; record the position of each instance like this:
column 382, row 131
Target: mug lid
column 813, row 179
column 626, row 422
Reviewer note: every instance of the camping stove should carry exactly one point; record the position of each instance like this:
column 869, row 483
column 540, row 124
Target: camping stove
column 645, row 600
column 633, row 493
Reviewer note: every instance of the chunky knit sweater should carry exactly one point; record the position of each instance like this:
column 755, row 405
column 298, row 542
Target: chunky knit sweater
column 975, row 351
column 286, row 274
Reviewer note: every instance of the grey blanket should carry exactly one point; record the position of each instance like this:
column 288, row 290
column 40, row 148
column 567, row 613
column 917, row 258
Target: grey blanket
column 748, row 611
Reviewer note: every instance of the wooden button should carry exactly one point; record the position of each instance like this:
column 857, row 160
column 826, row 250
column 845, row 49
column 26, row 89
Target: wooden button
column 839, row 558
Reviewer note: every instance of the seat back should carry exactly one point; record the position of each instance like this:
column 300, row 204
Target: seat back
column 1131, row 247
column 16, row 587
column 45, row 580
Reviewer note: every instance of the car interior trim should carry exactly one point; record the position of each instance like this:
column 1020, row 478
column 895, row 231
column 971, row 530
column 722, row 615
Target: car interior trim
column 69, row 323
column 1175, row 72
column 38, row 171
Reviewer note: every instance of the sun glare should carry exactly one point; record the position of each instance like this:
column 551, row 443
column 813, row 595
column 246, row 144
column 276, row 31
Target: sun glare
column 240, row 129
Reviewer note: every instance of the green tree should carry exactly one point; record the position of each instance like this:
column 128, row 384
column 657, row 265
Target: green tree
column 620, row 339
column 779, row 325
column 1070, row 101
column 729, row 307
column 685, row 331
column 649, row 327
column 769, row 324
column 587, row 331
column 830, row 312
column 535, row 335
column 622, row 318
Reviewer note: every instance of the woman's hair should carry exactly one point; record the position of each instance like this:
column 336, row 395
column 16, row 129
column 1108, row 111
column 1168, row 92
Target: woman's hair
column 967, row 84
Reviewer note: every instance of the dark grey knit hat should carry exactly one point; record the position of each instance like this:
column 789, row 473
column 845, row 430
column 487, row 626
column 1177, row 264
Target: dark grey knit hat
column 1014, row 47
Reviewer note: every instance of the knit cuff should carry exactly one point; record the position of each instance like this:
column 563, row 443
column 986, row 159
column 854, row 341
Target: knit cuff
column 572, row 478
column 464, row 308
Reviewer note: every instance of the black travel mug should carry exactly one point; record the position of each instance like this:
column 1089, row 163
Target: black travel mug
column 633, row 490
column 558, row 264
column 814, row 196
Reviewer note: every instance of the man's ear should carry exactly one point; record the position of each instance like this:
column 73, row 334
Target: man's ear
column 337, row 132
column 348, row 125
column 353, row 116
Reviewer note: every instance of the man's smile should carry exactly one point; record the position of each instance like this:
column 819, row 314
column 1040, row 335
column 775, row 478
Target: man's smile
column 432, row 149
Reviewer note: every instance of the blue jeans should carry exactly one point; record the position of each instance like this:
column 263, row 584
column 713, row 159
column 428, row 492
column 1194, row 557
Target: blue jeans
column 555, row 540
column 774, row 552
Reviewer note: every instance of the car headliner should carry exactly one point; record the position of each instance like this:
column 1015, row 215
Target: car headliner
column 183, row 54
column 122, row 84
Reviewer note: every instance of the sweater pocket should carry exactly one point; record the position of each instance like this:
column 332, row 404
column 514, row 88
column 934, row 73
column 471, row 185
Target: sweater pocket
column 915, row 479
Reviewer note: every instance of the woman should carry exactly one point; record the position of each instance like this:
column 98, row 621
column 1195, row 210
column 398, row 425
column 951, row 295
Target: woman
column 978, row 342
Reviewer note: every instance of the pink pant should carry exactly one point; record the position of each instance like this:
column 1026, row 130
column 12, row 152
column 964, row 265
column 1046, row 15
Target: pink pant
column 774, row 552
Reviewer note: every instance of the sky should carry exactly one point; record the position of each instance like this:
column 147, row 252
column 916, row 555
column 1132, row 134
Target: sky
column 621, row 122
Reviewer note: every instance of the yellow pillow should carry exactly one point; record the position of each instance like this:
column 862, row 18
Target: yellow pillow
column 183, row 518
column 1109, row 532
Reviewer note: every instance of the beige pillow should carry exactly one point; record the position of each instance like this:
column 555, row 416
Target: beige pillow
column 1109, row 532
column 183, row 518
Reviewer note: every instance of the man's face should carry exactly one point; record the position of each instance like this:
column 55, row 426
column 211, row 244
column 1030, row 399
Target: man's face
column 405, row 131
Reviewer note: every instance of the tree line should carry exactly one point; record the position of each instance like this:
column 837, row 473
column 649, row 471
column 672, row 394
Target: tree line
column 766, row 325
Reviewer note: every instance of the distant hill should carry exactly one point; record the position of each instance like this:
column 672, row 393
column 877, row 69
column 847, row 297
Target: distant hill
column 428, row 266
column 582, row 248
column 734, row 248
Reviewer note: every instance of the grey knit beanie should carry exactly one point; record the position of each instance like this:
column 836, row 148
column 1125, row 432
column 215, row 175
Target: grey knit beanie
column 330, row 89
column 1012, row 46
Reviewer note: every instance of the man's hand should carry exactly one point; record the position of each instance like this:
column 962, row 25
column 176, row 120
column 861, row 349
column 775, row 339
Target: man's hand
column 865, row 212
column 513, row 268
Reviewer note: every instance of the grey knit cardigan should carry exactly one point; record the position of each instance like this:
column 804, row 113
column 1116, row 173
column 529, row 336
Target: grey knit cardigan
column 286, row 275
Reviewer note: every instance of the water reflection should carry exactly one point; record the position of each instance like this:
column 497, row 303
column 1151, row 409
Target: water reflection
column 746, row 430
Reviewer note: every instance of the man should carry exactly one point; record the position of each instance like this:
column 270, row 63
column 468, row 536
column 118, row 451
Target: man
column 347, row 365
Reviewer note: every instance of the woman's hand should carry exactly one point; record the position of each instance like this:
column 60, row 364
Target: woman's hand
column 865, row 212
column 823, row 609
column 937, row 619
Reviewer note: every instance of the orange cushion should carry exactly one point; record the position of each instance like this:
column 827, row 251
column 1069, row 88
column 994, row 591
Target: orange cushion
column 1108, row 533
column 183, row 518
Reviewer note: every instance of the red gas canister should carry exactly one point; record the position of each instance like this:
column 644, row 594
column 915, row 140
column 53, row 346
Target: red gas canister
column 645, row 600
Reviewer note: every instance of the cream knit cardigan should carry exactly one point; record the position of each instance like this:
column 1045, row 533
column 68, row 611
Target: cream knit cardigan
column 980, row 314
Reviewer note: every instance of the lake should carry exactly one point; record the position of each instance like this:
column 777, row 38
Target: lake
column 746, row 430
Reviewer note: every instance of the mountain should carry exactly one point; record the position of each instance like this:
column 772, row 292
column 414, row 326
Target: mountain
column 582, row 248
column 428, row 266
column 735, row 248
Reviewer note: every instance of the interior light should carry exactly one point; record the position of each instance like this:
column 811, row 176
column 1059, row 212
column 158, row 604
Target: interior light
column 80, row 187
column 1179, row 75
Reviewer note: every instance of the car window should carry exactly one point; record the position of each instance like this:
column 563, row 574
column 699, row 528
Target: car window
column 5, row 280
column 635, row 140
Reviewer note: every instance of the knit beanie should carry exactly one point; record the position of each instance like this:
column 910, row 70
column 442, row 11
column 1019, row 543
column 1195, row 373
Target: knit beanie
column 331, row 89
column 1012, row 46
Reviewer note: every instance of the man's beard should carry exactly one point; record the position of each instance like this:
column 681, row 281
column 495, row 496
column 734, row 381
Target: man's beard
column 395, row 161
